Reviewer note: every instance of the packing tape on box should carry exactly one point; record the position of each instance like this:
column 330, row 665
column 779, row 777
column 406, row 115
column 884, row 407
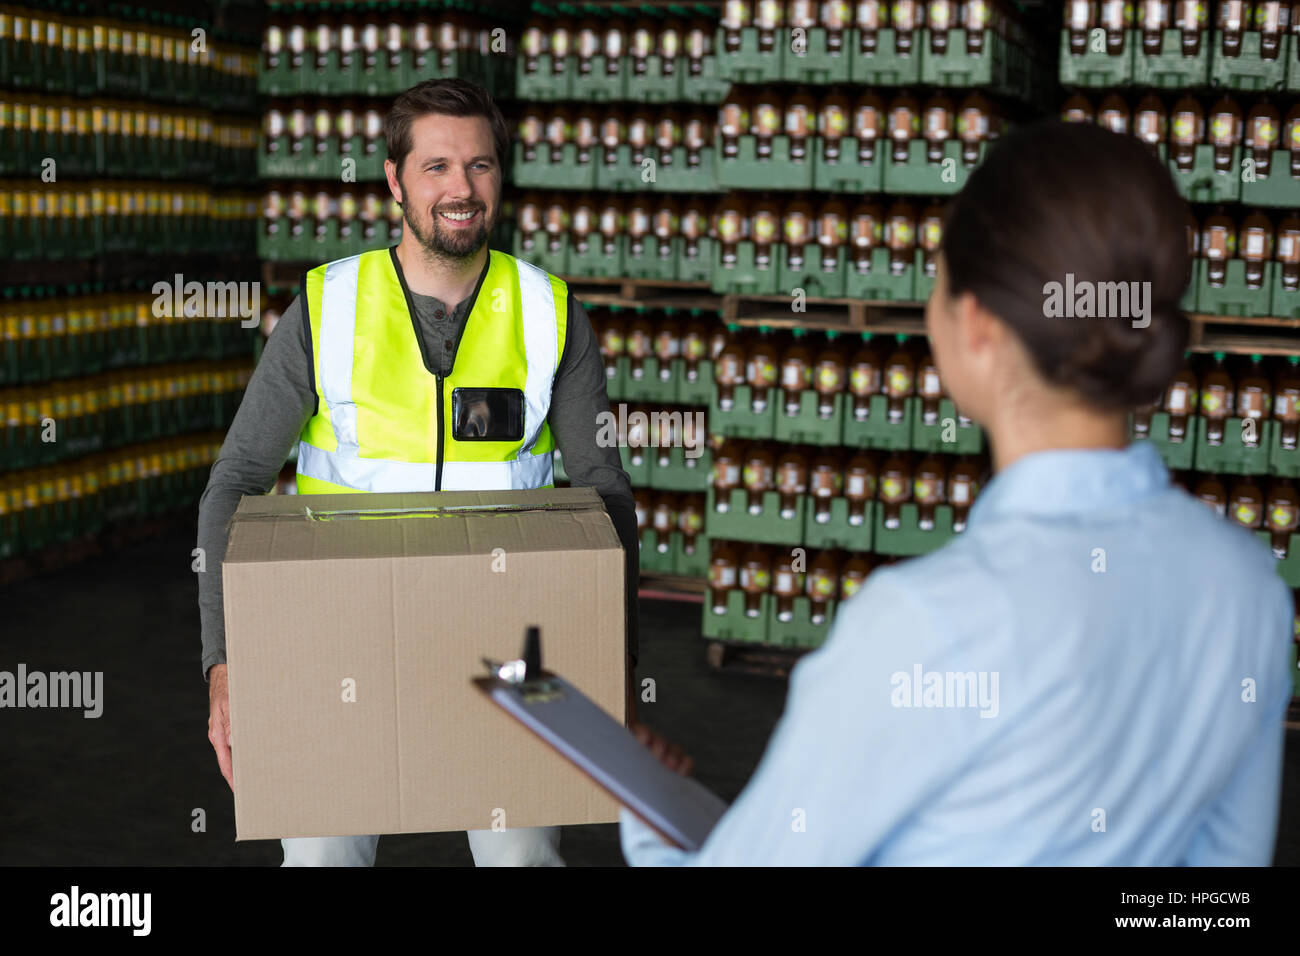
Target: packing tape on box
column 432, row 511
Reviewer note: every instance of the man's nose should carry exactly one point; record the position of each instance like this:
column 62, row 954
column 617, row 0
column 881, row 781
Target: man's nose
column 458, row 185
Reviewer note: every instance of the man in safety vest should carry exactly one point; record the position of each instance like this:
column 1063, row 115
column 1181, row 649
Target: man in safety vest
column 435, row 365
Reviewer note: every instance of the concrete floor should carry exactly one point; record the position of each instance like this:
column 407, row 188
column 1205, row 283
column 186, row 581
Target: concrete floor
column 122, row 789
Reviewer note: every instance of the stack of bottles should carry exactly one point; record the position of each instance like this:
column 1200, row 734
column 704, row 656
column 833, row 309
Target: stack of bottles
column 382, row 47
column 124, row 50
column 43, row 507
column 121, row 137
column 600, row 53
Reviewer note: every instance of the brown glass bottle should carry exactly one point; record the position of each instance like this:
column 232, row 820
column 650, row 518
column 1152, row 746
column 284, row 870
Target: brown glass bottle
column 929, row 489
column 690, row 522
column 899, row 380
column 663, row 519
column 864, row 378
column 1190, row 17
column 822, row 584
column 755, row 578
column 1080, row 19
column 787, row 584
column 1253, row 400
column 1115, row 19
column 796, row 372
column 1225, row 132
column 765, row 229
column 1286, row 402
column 1288, row 253
column 963, row 486
column 791, row 479
column 832, row 233
column 768, row 119
column 1186, row 132
column 724, row 566
column 797, row 227
column 1218, row 245
column 1255, row 246
column 761, row 369
column 729, row 368
column 1281, row 515
column 734, row 120
column 829, row 375
column 825, row 482
column 895, row 488
column 800, row 124
column 833, row 114
column 695, row 346
column 1113, row 114
column 870, row 16
column 1078, row 109
column 1181, row 402
column 866, row 234
column 1246, row 503
column 904, row 124
column 726, row 474
column 1153, row 20
column 860, row 485
column 1209, row 490
column 1216, row 399
column 869, row 125
column 1151, row 122
column 1262, row 135
column 900, row 237
column 928, row 388
column 929, row 236
column 758, row 475
column 938, row 126
column 1234, row 20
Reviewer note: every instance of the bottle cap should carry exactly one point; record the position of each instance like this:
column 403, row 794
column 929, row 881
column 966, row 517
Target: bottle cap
column 1220, row 356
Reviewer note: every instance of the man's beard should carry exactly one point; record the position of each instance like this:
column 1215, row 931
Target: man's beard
column 449, row 244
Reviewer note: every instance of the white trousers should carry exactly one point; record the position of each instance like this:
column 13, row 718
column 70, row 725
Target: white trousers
column 528, row 846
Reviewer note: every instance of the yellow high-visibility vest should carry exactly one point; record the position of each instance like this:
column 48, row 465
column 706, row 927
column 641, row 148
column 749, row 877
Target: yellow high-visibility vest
column 383, row 421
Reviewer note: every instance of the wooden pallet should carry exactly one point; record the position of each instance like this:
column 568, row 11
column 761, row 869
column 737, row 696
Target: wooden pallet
column 646, row 293
column 758, row 659
column 837, row 315
column 672, row 587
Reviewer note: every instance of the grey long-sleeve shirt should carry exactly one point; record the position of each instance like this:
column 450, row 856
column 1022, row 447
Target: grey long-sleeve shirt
column 280, row 399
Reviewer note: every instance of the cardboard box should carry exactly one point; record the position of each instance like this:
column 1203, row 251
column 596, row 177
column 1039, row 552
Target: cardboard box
column 399, row 598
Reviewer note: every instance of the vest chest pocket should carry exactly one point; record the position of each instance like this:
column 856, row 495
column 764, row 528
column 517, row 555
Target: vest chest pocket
column 487, row 414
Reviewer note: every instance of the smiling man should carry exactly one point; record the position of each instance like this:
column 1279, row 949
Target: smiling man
column 435, row 365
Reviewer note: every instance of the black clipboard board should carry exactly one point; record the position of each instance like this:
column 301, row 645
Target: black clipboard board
column 680, row 809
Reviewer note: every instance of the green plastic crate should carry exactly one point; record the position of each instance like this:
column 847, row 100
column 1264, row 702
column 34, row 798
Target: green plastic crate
column 682, row 473
column 837, row 532
column 886, row 67
column 876, row 431
column 808, row 427
column 595, row 262
column 747, row 171
column 1170, row 69
column 748, row 65
column 908, row 540
column 744, row 278
column 622, row 175
column 676, row 176
column 735, row 626
column 1249, row 71
column 1177, row 455
column 811, row 276
column 698, row 267
column 1098, row 69
column 880, row 284
column 554, row 261
column 967, row 439
column 598, row 86
column 542, row 173
column 653, row 86
column 1234, row 297
column 817, row 65
column 1003, row 66
column 706, row 87
column 768, row 527
column 919, row 176
column 1203, row 183
column 1279, row 188
column 846, row 174
column 1283, row 304
column 1232, row 456
column 799, row 631
column 545, row 84
column 741, row 421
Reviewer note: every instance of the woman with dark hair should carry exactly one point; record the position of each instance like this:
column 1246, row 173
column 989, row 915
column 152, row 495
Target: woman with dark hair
column 1095, row 670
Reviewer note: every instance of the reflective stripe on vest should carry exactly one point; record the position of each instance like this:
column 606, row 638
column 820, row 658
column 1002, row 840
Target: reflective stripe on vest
column 376, row 427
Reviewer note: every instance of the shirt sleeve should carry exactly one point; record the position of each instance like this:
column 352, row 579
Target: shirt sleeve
column 1240, row 828
column 848, row 761
column 278, row 401
column 579, row 402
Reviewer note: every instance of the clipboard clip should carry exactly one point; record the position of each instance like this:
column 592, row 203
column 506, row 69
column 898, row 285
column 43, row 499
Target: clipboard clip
column 526, row 673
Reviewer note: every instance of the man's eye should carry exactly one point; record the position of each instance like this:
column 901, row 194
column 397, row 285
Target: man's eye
column 438, row 167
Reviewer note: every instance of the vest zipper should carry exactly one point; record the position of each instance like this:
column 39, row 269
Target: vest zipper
column 437, row 478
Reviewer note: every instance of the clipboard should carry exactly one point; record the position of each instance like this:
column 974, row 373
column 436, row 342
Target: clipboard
column 679, row 809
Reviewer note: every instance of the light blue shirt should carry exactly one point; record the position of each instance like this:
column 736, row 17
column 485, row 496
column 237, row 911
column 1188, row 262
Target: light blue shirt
column 1104, row 669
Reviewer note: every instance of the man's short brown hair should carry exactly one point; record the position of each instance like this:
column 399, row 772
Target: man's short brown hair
column 446, row 97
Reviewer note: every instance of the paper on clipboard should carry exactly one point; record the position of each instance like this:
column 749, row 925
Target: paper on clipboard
column 678, row 808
